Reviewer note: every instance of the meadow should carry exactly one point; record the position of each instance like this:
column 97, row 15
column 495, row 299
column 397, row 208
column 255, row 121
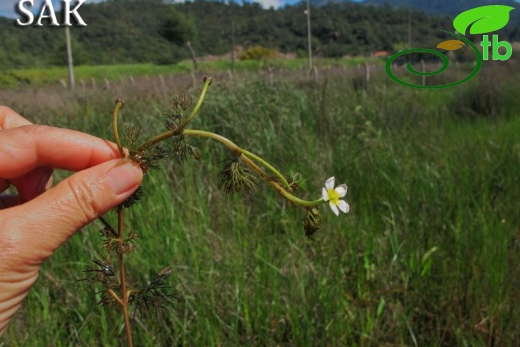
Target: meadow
column 86, row 74
column 429, row 254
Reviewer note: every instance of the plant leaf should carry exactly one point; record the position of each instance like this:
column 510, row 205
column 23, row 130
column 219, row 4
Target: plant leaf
column 451, row 45
column 483, row 19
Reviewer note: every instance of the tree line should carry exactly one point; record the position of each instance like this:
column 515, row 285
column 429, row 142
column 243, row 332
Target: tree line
column 151, row 31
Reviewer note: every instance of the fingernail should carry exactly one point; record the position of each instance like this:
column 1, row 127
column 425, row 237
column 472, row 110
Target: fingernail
column 124, row 177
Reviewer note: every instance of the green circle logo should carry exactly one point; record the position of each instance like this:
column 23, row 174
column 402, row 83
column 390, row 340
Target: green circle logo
column 445, row 65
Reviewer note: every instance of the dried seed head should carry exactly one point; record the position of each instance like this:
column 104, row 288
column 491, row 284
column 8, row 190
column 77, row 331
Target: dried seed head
column 236, row 179
column 208, row 80
column 312, row 222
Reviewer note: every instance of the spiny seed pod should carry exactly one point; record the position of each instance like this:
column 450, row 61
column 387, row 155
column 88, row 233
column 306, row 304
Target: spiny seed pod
column 312, row 222
column 236, row 179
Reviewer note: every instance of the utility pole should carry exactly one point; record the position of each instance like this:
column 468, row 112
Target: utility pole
column 409, row 28
column 409, row 24
column 309, row 44
column 69, row 58
column 233, row 46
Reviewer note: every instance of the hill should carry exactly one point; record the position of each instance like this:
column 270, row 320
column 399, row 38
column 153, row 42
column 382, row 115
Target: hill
column 133, row 32
column 444, row 7
column 437, row 7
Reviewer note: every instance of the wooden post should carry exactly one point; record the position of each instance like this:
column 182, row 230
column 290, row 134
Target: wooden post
column 233, row 47
column 193, row 57
column 423, row 69
column 69, row 58
column 193, row 80
column 309, row 36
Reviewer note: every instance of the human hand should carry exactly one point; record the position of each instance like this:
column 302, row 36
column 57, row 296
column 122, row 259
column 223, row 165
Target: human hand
column 39, row 219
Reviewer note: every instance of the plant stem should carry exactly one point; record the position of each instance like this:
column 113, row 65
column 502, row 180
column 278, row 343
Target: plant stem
column 115, row 296
column 119, row 105
column 123, row 301
column 157, row 139
column 124, row 293
column 244, row 156
column 240, row 152
column 207, row 83
column 179, row 130
column 108, row 226
column 269, row 166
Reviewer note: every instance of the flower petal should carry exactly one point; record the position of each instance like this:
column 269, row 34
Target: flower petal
column 343, row 206
column 324, row 194
column 329, row 184
column 341, row 190
column 334, row 208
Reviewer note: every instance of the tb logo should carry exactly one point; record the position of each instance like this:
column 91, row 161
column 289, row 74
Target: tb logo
column 495, row 45
column 479, row 20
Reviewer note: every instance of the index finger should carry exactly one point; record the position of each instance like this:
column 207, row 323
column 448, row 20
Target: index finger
column 25, row 148
column 10, row 119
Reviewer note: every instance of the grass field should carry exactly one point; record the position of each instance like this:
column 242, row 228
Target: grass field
column 20, row 78
column 429, row 254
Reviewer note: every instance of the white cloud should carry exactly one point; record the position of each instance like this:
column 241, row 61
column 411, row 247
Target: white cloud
column 270, row 3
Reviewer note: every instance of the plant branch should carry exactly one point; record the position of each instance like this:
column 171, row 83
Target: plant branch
column 123, row 301
column 269, row 166
column 119, row 105
column 243, row 155
column 122, row 276
column 108, row 226
column 115, row 296
column 240, row 153
column 179, row 130
column 207, row 83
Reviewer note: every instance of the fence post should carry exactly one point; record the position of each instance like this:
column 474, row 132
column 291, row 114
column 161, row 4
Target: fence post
column 367, row 73
column 423, row 69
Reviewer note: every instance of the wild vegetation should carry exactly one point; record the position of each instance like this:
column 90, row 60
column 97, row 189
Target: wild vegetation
column 428, row 255
column 89, row 76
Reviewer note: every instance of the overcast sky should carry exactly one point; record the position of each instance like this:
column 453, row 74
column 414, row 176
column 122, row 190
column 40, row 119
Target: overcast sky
column 7, row 7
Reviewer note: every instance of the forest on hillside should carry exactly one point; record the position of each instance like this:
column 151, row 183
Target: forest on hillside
column 129, row 31
column 449, row 7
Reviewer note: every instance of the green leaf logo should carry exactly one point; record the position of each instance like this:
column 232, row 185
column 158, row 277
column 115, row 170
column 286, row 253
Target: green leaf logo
column 482, row 19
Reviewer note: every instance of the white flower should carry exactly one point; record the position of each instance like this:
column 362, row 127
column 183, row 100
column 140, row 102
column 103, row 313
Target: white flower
column 333, row 195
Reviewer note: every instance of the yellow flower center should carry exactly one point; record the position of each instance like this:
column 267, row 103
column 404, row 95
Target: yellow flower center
column 333, row 196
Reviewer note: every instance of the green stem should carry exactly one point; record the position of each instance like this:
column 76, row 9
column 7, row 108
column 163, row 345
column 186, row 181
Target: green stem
column 119, row 105
column 232, row 146
column 207, row 83
column 299, row 201
column 269, row 166
column 208, row 134
column 157, row 139
column 244, row 156
column 180, row 129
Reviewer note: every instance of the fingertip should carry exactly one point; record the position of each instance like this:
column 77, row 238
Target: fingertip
column 125, row 177
column 10, row 119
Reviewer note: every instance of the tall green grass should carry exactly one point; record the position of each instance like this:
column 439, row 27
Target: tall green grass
column 427, row 256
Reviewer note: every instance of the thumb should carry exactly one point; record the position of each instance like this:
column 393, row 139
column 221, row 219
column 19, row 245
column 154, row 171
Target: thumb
column 37, row 228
